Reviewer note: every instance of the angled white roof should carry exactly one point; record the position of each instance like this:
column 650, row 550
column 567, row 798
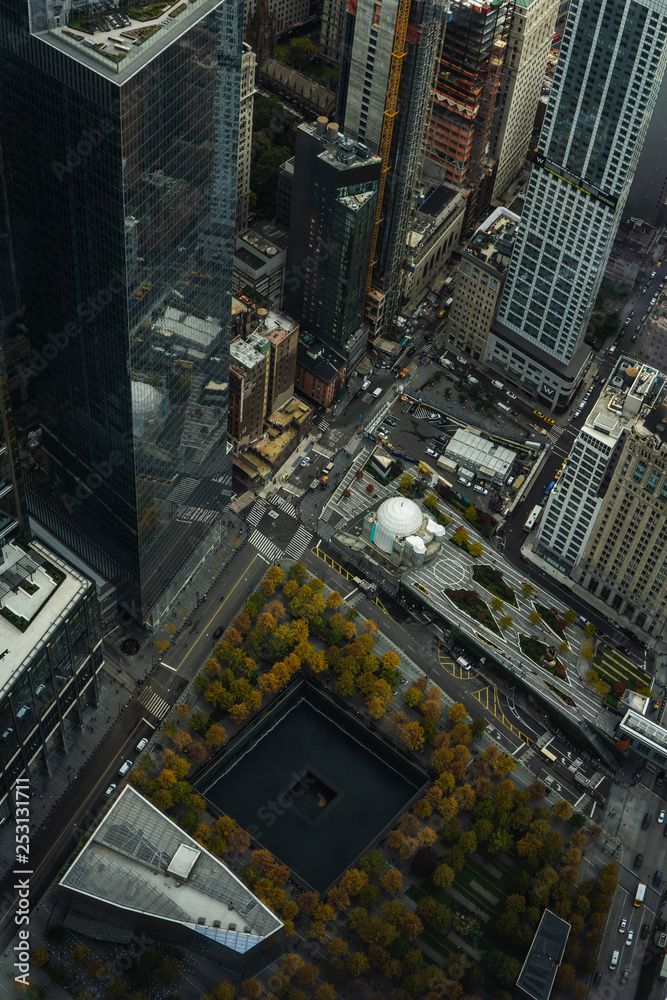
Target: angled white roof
column 139, row 860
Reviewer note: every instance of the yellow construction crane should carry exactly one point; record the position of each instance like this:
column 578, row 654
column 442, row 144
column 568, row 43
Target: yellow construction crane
column 389, row 115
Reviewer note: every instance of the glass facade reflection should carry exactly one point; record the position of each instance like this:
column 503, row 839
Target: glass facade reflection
column 121, row 185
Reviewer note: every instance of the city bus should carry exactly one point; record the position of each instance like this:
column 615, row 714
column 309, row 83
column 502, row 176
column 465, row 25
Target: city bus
column 639, row 895
column 532, row 518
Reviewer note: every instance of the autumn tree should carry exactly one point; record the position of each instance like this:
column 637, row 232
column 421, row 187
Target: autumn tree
column 391, row 881
column 564, row 976
column 562, row 809
column 443, row 876
column 537, row 790
column 215, row 737
column 457, row 712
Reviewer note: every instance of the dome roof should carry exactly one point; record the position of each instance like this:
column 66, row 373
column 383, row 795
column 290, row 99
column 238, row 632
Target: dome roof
column 398, row 517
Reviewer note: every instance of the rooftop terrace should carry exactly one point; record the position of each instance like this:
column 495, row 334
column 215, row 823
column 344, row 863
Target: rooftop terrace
column 37, row 591
column 111, row 34
column 493, row 241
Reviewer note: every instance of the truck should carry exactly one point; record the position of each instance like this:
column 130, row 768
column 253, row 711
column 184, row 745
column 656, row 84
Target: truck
column 518, row 483
column 446, row 463
column 663, row 969
column 448, row 302
column 445, row 362
column 466, row 474
column 502, row 406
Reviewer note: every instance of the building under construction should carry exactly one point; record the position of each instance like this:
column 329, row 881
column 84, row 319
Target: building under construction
column 387, row 67
column 466, row 90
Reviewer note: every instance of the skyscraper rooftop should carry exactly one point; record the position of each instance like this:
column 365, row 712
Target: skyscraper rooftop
column 137, row 859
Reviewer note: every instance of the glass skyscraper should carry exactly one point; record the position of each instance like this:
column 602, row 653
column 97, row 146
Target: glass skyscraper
column 119, row 128
column 610, row 67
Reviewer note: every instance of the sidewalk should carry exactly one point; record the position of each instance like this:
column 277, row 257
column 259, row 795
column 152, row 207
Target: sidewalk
column 46, row 792
column 138, row 666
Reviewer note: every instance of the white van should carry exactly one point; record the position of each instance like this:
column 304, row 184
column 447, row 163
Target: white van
column 614, row 960
column 472, row 380
column 124, row 768
column 497, row 385
column 377, row 392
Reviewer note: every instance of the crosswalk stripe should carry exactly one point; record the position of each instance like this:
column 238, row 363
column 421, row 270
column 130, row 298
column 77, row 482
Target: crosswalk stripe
column 265, row 547
column 154, row 704
column 257, row 512
column 285, row 505
column 299, row 543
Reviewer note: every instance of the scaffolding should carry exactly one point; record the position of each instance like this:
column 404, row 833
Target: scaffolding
column 466, row 86
column 388, row 119
column 412, row 153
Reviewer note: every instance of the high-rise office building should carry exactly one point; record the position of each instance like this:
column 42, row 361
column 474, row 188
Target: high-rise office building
column 479, row 282
column 466, row 87
column 248, row 71
column 120, row 139
column 334, row 196
column 332, row 29
column 384, row 97
column 611, row 63
column 528, row 45
column 605, row 524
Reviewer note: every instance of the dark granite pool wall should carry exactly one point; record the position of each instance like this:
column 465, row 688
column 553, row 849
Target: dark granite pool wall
column 309, row 749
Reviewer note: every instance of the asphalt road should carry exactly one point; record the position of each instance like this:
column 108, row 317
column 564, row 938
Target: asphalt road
column 73, row 816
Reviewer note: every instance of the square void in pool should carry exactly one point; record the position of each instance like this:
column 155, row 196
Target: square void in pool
column 314, row 786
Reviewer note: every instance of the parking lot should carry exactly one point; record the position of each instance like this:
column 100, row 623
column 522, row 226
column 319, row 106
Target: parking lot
column 422, row 433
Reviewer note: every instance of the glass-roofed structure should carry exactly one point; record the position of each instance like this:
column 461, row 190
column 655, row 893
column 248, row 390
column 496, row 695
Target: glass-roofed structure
column 141, row 872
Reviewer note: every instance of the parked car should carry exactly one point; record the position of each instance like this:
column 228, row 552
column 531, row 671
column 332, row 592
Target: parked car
column 646, row 822
column 512, row 395
column 219, row 631
column 623, row 924
column 597, row 979
column 638, row 862
column 431, row 452
column 143, row 742
column 110, row 790
column 391, row 421
column 661, row 816
column 624, row 977
column 480, row 489
column 461, row 360
column 660, row 780
column 464, row 482
column 657, row 879
column 305, row 462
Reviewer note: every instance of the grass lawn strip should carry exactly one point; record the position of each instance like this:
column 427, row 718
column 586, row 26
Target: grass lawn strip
column 473, row 609
column 549, row 619
column 561, row 694
column 527, row 642
column 499, row 588
column 630, row 670
column 614, row 668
